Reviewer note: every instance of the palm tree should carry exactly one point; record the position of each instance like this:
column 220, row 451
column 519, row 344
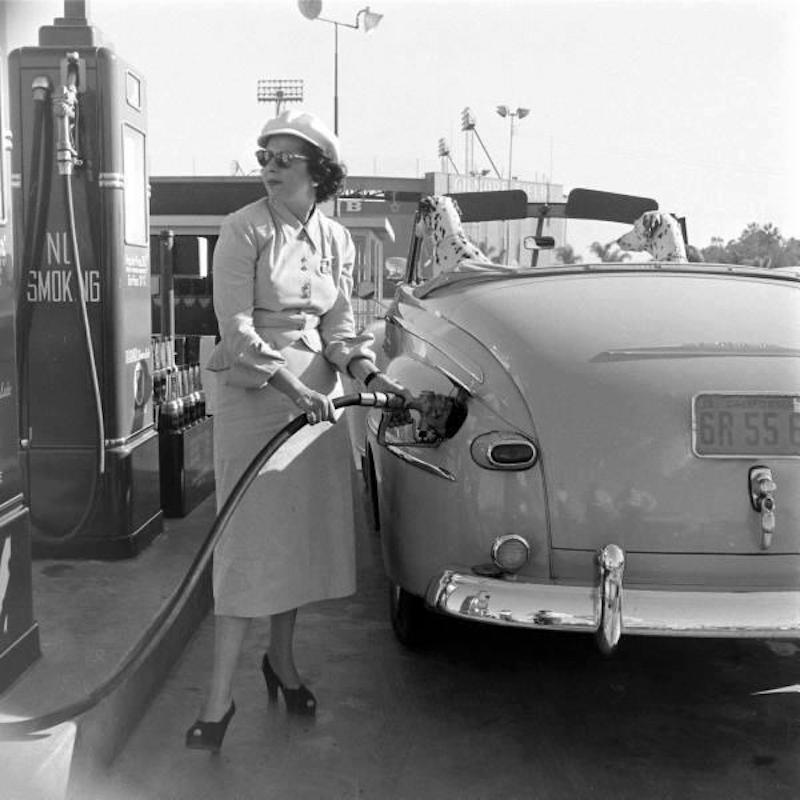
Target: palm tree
column 567, row 255
column 609, row 252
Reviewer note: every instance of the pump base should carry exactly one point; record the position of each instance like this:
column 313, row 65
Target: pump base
column 19, row 632
column 127, row 513
column 110, row 549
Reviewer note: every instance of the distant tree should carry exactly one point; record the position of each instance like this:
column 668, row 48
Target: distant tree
column 791, row 253
column 716, row 252
column 609, row 252
column 494, row 254
column 758, row 245
column 693, row 254
column 567, row 255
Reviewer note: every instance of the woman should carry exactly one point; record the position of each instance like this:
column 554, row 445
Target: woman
column 282, row 285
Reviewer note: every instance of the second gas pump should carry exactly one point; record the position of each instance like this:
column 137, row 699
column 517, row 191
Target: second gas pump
column 81, row 235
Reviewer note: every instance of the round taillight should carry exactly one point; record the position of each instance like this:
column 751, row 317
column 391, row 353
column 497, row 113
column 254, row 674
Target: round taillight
column 504, row 450
column 510, row 553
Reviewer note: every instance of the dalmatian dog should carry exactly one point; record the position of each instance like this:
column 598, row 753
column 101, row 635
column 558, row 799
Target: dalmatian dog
column 658, row 234
column 440, row 222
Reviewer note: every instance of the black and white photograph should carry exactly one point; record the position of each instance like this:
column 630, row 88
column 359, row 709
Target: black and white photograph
column 399, row 401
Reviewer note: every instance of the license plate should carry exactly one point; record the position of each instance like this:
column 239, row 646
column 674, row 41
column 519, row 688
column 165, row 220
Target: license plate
column 746, row 425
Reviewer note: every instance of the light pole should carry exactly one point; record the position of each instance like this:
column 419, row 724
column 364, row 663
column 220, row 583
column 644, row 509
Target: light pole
column 520, row 113
column 311, row 9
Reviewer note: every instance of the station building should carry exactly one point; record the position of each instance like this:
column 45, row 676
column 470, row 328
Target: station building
column 378, row 211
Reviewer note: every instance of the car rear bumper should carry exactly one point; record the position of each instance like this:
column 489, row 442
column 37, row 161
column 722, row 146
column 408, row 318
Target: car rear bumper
column 609, row 609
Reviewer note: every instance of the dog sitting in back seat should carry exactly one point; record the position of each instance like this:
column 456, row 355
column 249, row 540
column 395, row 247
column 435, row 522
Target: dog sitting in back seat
column 440, row 222
column 658, row 234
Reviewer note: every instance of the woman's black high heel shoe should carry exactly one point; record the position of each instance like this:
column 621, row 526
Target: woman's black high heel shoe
column 298, row 701
column 209, row 735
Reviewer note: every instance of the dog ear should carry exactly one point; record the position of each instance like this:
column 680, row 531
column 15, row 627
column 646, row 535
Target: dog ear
column 650, row 222
column 426, row 204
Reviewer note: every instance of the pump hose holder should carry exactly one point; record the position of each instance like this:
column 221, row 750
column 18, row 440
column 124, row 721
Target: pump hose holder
column 158, row 628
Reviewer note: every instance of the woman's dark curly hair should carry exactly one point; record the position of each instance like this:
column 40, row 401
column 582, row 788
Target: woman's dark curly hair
column 326, row 174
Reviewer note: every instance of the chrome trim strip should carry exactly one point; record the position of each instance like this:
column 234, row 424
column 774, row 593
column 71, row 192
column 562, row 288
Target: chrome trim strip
column 474, row 372
column 112, row 180
column 418, row 462
column 12, row 508
column 459, row 593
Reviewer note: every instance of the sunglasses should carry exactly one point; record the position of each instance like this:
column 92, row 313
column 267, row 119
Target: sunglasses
column 282, row 159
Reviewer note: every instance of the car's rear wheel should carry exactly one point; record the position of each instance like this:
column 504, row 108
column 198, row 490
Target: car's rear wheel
column 411, row 621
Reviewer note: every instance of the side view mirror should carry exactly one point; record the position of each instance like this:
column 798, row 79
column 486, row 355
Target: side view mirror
column 538, row 242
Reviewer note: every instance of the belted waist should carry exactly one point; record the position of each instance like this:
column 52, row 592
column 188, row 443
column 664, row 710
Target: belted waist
column 285, row 320
column 277, row 330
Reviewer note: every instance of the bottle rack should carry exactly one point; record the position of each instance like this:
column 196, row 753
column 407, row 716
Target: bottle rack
column 178, row 396
column 186, row 455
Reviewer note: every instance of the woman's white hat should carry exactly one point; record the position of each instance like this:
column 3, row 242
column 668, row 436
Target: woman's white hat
column 295, row 122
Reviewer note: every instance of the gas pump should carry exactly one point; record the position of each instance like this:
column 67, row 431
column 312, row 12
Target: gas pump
column 19, row 633
column 79, row 191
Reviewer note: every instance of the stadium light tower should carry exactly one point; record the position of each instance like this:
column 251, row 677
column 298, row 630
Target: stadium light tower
column 311, row 9
column 279, row 90
column 444, row 153
column 469, row 124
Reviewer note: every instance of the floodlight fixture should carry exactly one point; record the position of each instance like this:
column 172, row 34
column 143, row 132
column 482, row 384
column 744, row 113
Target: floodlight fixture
column 371, row 19
column 520, row 113
column 311, row 9
column 468, row 120
column 279, row 90
column 444, row 152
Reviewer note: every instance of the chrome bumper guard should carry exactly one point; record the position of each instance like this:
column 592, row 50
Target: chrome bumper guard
column 608, row 610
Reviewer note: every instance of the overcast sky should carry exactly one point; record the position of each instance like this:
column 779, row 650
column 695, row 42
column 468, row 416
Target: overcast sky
column 693, row 103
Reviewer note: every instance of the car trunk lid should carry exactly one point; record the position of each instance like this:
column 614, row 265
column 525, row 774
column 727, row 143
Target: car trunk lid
column 612, row 366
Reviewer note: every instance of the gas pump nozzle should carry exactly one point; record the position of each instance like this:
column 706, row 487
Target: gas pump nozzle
column 64, row 110
column 440, row 416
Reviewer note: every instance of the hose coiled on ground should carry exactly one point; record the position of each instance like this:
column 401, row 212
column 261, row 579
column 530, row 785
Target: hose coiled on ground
column 174, row 606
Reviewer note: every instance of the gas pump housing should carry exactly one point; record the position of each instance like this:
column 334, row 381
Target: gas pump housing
column 80, row 210
column 19, row 632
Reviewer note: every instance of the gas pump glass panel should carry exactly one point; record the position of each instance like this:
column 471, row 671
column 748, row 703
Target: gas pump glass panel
column 626, row 461
column 133, row 90
column 135, row 202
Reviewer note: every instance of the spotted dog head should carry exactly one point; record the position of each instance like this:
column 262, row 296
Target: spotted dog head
column 440, row 221
column 658, row 234
column 439, row 216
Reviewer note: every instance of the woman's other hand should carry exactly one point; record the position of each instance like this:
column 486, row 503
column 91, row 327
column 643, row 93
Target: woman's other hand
column 373, row 380
column 383, row 383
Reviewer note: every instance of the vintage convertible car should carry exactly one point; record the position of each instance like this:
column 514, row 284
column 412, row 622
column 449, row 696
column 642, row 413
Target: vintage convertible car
column 611, row 448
